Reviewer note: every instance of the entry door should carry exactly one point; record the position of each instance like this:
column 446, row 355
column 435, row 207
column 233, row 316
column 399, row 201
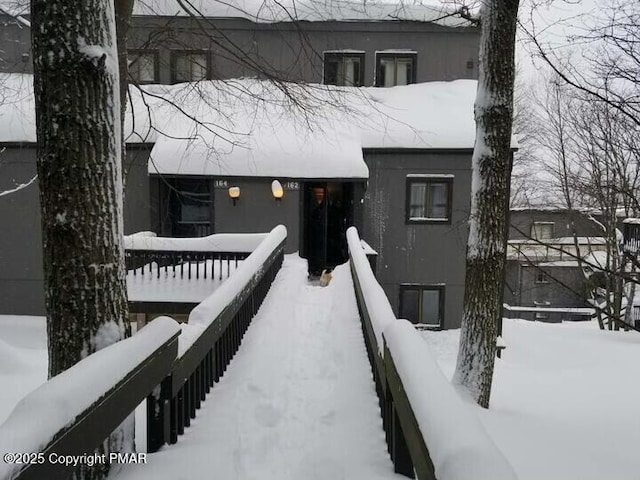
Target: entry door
column 314, row 226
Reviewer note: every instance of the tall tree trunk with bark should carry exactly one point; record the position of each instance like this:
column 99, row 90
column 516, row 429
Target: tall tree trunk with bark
column 79, row 169
column 491, row 164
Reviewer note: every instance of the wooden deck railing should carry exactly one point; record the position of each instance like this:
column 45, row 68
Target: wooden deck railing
column 206, row 359
column 171, row 372
column 406, row 378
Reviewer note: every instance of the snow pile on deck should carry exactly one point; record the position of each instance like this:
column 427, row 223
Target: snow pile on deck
column 218, row 242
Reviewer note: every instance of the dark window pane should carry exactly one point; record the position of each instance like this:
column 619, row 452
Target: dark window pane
column 331, row 72
column 439, row 200
column 410, row 305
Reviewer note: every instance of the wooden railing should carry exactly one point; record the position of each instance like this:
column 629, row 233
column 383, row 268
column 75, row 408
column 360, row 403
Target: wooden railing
column 226, row 316
column 406, row 377
column 209, row 257
column 44, row 432
column 173, row 373
column 177, row 262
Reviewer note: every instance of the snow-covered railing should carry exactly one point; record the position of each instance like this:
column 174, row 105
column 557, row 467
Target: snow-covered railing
column 75, row 411
column 198, row 256
column 430, row 433
column 210, row 339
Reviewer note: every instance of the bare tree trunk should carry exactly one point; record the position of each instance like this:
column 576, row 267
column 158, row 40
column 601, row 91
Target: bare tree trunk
column 489, row 202
column 79, row 167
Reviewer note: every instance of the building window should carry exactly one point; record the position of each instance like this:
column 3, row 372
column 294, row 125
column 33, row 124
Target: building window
column 428, row 199
column 541, row 276
column 190, row 207
column 395, row 68
column 189, row 66
column 143, row 66
column 422, row 304
column 344, row 68
column 542, row 230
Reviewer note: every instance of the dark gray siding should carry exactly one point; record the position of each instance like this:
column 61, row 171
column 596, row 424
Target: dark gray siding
column 15, row 46
column 21, row 276
column 295, row 51
column 289, row 51
column 426, row 254
column 257, row 210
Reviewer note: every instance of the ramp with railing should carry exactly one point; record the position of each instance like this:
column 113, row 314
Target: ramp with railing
column 430, row 433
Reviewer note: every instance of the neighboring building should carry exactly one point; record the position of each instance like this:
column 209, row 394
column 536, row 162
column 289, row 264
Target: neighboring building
column 542, row 262
column 396, row 163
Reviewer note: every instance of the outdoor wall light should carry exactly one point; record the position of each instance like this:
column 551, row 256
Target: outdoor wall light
column 276, row 189
column 234, row 194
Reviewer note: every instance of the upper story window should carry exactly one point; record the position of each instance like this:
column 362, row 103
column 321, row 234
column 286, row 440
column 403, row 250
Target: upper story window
column 345, row 68
column 143, row 66
column 395, row 67
column 189, row 66
column 542, row 230
column 429, row 198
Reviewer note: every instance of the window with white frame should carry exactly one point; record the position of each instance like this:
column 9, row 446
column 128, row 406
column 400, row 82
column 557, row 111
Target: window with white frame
column 542, row 230
column 189, row 66
column 428, row 198
column 395, row 68
column 344, row 68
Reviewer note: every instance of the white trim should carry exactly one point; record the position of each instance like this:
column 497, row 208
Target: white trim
column 431, row 175
column 346, row 50
column 398, row 51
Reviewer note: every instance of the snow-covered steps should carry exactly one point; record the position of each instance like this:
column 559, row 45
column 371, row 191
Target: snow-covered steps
column 297, row 401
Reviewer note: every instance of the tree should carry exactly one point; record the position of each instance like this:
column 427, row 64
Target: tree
column 491, row 164
column 78, row 125
column 591, row 149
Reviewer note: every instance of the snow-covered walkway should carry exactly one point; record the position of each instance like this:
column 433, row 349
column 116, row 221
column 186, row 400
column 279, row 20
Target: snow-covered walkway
column 297, row 401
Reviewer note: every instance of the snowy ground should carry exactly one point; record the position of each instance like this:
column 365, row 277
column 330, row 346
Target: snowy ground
column 23, row 358
column 297, row 401
column 565, row 399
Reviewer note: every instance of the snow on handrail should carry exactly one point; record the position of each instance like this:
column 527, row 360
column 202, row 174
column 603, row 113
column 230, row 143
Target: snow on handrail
column 377, row 304
column 458, row 444
column 219, row 242
column 441, row 435
column 209, row 309
column 68, row 398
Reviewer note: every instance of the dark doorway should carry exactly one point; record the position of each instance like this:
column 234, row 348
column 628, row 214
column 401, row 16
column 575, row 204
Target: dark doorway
column 327, row 213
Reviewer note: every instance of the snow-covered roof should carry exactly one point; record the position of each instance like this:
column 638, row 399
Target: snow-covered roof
column 248, row 127
column 271, row 11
